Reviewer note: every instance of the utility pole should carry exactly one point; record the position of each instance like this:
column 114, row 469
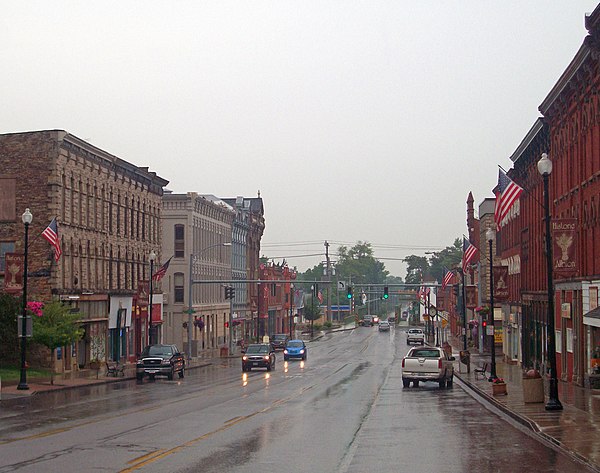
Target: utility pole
column 328, row 281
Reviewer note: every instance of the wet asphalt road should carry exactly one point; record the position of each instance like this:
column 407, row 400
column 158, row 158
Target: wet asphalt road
column 343, row 410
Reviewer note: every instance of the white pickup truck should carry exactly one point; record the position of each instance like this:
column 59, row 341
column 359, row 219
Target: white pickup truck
column 415, row 335
column 427, row 364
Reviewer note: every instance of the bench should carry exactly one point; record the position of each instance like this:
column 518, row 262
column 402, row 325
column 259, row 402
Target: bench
column 481, row 370
column 114, row 368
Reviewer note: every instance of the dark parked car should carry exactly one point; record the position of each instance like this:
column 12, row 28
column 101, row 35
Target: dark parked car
column 295, row 349
column 279, row 340
column 258, row 355
column 160, row 360
column 367, row 321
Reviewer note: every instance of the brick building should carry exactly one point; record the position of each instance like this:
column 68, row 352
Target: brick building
column 108, row 214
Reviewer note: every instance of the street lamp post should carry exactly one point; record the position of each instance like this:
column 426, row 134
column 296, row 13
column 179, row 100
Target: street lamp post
column 545, row 168
column 27, row 218
column 152, row 258
column 291, row 310
column 190, row 295
column 490, row 238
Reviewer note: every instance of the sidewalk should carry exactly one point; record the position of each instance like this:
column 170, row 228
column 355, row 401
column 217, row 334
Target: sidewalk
column 89, row 377
column 574, row 429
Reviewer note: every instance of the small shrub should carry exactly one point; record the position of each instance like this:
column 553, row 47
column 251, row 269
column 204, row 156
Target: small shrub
column 327, row 324
column 317, row 326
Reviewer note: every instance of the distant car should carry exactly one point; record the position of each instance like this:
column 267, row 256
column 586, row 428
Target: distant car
column 384, row 326
column 391, row 319
column 367, row 321
column 375, row 319
column 295, row 349
column 415, row 335
column 279, row 340
column 160, row 360
column 258, row 355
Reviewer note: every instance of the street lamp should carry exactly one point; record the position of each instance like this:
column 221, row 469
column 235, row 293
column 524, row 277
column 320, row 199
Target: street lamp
column 152, row 258
column 27, row 218
column 489, row 234
column 545, row 168
column 291, row 305
column 190, row 295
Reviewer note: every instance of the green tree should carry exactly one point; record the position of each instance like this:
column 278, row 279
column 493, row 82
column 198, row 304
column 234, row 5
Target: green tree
column 448, row 258
column 10, row 308
column 57, row 327
column 312, row 311
column 417, row 268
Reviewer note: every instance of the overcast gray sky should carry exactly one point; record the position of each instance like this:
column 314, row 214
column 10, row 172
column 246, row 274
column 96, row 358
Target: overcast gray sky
column 356, row 120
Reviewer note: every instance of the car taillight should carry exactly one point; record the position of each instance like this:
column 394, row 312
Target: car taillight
column 440, row 363
column 402, row 362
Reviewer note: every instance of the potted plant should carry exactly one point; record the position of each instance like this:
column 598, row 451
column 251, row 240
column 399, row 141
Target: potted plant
column 595, row 360
column 498, row 387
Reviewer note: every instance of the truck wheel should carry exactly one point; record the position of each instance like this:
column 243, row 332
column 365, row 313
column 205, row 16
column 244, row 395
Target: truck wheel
column 171, row 375
column 182, row 373
column 450, row 381
column 442, row 383
column 405, row 382
column 139, row 376
column 416, row 383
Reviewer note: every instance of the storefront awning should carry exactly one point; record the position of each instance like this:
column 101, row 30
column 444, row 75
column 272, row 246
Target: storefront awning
column 592, row 317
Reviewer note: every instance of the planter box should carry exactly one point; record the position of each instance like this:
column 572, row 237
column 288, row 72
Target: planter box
column 499, row 389
column 533, row 390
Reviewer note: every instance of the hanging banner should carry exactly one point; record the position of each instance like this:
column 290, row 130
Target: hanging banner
column 143, row 293
column 563, row 245
column 13, row 272
column 501, row 283
column 471, row 297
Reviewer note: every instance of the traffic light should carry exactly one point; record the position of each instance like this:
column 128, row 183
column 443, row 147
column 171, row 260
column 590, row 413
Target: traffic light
column 385, row 292
column 226, row 324
column 349, row 296
column 229, row 292
column 484, row 325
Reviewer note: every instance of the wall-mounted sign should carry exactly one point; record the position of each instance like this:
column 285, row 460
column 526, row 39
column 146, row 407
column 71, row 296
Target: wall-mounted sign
column 500, row 283
column 565, row 310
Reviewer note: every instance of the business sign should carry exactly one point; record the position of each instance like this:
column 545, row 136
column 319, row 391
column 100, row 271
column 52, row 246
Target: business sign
column 563, row 245
column 500, row 283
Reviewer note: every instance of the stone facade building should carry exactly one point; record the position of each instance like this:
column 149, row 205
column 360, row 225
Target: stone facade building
column 108, row 214
column 195, row 228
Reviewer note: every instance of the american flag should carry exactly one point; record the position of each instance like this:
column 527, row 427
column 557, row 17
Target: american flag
column 469, row 252
column 508, row 193
column 447, row 278
column 158, row 275
column 51, row 235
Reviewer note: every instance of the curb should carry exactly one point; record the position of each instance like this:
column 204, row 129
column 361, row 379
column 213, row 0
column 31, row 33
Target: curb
column 528, row 423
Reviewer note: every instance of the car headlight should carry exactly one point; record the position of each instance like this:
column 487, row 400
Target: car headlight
column 302, row 352
column 285, row 351
column 244, row 358
column 267, row 357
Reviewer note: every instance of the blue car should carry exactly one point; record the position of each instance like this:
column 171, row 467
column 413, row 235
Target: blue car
column 295, row 349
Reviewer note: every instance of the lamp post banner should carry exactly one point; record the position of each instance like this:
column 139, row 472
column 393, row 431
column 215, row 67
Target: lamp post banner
column 13, row 272
column 471, row 297
column 500, row 283
column 563, row 241
column 143, row 293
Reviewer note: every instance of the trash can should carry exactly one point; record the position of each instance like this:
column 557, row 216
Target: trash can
column 533, row 389
column 465, row 359
column 224, row 352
